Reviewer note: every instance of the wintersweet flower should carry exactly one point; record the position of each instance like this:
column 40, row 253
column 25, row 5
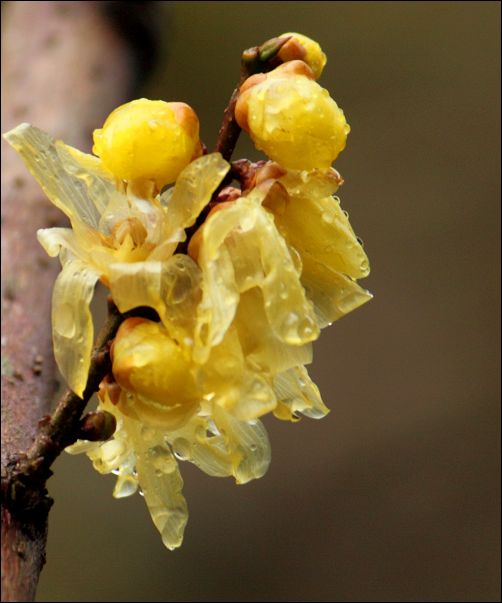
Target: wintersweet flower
column 117, row 229
column 169, row 407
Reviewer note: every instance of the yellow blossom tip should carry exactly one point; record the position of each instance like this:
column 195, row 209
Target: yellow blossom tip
column 305, row 49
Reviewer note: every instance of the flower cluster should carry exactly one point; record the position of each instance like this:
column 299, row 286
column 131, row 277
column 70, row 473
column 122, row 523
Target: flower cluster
column 241, row 275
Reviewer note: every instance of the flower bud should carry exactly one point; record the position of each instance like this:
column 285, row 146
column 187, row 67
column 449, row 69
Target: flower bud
column 95, row 426
column 305, row 49
column 148, row 362
column 148, row 140
column 292, row 119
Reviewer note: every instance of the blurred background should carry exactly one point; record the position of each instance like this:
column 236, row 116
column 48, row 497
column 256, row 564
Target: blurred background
column 395, row 495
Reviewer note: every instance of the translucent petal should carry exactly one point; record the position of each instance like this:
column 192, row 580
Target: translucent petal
column 261, row 346
column 76, row 183
column 239, row 386
column 333, row 294
column 172, row 288
column 255, row 398
column 247, row 443
column 193, row 190
column 53, row 239
column 72, row 327
column 202, row 444
column 111, row 455
column 297, row 393
column 161, row 484
column 81, row 446
column 318, row 226
column 242, row 249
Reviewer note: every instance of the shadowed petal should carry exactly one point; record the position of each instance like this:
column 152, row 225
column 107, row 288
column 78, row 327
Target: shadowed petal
column 72, row 328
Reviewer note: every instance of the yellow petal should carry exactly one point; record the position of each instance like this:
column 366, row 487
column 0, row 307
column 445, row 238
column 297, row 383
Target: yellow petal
column 261, row 346
column 72, row 327
column 221, row 445
column 160, row 482
column 76, row 183
column 247, row 443
column 332, row 293
column 242, row 249
column 237, row 383
column 172, row 288
column 54, row 239
column 193, row 190
column 298, row 394
column 319, row 227
column 202, row 444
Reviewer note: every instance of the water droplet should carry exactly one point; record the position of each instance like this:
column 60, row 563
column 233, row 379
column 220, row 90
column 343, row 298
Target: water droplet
column 182, row 449
column 64, row 322
column 328, row 217
column 125, row 486
column 162, row 460
column 305, row 329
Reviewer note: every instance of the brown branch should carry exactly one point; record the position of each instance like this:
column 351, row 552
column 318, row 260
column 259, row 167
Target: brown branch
column 56, row 77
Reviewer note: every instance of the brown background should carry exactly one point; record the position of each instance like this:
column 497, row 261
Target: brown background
column 395, row 495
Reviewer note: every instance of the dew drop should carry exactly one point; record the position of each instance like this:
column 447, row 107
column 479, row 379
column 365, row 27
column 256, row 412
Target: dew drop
column 328, row 217
column 126, row 486
column 182, row 449
column 65, row 322
column 162, row 460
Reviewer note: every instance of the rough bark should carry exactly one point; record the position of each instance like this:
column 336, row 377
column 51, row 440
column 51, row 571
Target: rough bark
column 65, row 65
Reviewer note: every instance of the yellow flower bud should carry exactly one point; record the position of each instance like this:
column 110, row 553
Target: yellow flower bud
column 148, row 140
column 305, row 49
column 148, row 363
column 292, row 119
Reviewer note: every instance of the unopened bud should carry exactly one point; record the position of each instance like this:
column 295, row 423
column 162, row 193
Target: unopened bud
column 305, row 49
column 292, row 119
column 149, row 363
column 148, row 140
column 96, row 426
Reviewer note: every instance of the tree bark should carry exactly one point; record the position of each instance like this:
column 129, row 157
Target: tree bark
column 65, row 66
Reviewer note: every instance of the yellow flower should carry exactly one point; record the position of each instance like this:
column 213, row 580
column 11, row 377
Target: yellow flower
column 291, row 118
column 169, row 407
column 266, row 270
column 123, row 235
